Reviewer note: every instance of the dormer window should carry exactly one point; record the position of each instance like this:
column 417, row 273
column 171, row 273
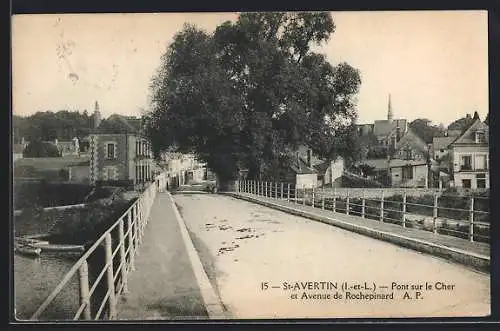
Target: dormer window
column 480, row 137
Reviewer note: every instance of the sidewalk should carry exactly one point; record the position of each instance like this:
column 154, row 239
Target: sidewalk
column 473, row 254
column 164, row 284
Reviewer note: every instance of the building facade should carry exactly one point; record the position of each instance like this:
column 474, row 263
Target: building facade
column 120, row 152
column 470, row 157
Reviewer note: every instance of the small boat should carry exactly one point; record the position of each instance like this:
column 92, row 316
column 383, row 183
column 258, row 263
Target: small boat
column 28, row 250
column 30, row 242
column 61, row 248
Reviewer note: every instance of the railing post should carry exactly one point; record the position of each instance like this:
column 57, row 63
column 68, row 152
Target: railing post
column 334, row 203
column 363, row 204
column 435, row 213
column 265, row 189
column 471, row 219
column 131, row 250
column 403, row 215
column 304, row 197
column 312, row 197
column 276, row 190
column 136, row 228
column 83, row 273
column 110, row 281
column 323, row 200
column 123, row 258
column 288, row 192
column 347, row 202
column 281, row 190
column 382, row 207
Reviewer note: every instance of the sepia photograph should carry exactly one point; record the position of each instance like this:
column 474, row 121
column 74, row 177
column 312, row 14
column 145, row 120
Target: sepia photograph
column 250, row 166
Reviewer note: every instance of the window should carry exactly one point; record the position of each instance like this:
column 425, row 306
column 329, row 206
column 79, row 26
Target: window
column 407, row 172
column 466, row 162
column 480, row 137
column 480, row 162
column 111, row 150
column 481, row 183
column 466, row 183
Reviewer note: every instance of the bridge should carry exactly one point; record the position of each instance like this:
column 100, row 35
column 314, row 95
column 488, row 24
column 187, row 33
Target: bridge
column 269, row 250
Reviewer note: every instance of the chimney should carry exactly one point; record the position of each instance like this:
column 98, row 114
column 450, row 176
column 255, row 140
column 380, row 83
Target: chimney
column 476, row 115
column 309, row 158
column 468, row 116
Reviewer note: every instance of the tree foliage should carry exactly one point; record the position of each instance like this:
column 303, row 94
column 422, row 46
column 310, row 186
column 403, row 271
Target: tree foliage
column 248, row 94
column 425, row 130
column 40, row 148
column 461, row 123
column 48, row 125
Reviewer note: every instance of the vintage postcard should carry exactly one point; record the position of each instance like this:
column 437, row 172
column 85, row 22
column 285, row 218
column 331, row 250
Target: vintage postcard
column 256, row 165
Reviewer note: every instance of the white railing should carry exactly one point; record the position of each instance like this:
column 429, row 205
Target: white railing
column 130, row 227
column 464, row 222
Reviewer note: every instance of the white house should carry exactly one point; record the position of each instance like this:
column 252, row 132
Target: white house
column 469, row 156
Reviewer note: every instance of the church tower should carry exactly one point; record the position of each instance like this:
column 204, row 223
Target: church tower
column 389, row 110
column 96, row 116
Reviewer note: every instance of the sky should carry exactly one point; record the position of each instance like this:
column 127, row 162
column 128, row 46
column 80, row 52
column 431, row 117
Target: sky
column 433, row 63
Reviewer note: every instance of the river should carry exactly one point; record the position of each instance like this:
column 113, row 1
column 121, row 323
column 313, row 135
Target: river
column 34, row 280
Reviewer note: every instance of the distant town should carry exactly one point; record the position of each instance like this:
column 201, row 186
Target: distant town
column 393, row 152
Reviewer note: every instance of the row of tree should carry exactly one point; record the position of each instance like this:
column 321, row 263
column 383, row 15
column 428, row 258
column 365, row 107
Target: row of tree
column 49, row 125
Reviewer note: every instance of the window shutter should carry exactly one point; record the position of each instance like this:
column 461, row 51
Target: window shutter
column 116, row 150
column 106, row 150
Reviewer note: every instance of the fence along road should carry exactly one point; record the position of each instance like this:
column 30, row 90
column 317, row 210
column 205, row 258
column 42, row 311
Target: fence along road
column 471, row 223
column 120, row 243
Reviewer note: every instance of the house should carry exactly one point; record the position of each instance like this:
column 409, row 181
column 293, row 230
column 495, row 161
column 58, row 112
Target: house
column 119, row 151
column 301, row 174
column 440, row 146
column 469, row 156
column 307, row 170
column 409, row 163
column 183, row 168
column 65, row 148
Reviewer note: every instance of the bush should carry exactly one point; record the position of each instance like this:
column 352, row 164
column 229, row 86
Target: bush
column 90, row 222
column 39, row 148
column 48, row 194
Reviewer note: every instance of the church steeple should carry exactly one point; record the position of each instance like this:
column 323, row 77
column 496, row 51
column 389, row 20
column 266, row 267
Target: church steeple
column 96, row 117
column 389, row 110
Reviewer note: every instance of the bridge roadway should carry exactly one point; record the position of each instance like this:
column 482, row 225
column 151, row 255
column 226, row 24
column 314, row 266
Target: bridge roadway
column 250, row 251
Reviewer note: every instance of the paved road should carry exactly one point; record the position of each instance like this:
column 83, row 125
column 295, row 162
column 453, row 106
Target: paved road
column 243, row 245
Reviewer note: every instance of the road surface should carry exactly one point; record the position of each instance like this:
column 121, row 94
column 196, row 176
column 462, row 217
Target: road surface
column 268, row 264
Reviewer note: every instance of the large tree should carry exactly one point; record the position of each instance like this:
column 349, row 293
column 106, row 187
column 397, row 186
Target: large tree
column 248, row 94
